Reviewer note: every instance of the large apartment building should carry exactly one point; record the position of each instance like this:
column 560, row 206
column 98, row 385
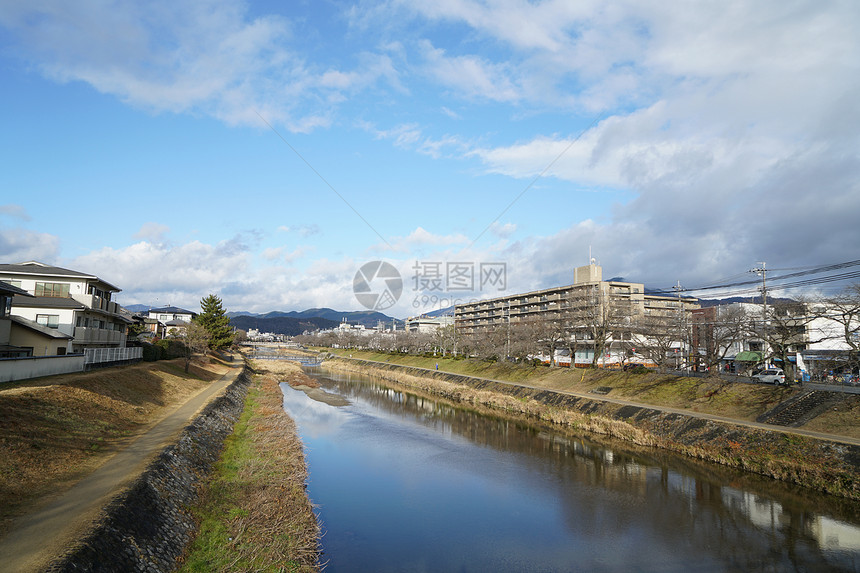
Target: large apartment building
column 588, row 293
column 587, row 299
column 73, row 303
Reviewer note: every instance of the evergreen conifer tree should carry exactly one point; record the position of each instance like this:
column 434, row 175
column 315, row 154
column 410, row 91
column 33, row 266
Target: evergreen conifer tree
column 216, row 323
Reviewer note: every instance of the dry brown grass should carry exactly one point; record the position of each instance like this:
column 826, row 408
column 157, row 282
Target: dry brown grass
column 285, row 371
column 842, row 420
column 714, row 396
column 256, row 515
column 55, row 430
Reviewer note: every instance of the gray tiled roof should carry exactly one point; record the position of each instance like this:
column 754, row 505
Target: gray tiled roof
column 41, row 269
column 9, row 290
column 47, row 302
column 52, row 332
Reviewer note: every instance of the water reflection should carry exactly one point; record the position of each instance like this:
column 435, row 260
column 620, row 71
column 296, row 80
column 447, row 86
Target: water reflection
column 412, row 483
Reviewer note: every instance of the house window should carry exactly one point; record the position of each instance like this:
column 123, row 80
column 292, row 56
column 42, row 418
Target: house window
column 61, row 351
column 11, row 282
column 52, row 289
column 49, row 320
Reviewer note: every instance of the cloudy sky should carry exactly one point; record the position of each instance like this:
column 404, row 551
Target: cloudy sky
column 265, row 151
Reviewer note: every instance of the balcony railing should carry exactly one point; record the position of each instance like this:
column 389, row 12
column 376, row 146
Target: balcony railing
column 97, row 303
column 97, row 336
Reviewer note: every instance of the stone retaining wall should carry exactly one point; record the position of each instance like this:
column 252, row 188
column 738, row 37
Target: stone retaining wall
column 148, row 527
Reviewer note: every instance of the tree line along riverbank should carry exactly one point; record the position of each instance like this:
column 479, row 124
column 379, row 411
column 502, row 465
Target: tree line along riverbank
column 824, row 465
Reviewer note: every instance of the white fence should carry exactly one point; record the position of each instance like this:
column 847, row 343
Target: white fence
column 102, row 355
column 12, row 369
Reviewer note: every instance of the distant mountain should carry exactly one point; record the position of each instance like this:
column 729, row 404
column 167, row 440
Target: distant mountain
column 138, row 307
column 706, row 302
column 368, row 318
column 289, row 326
column 449, row 311
column 233, row 313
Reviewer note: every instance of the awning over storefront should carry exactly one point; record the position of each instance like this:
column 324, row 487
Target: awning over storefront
column 748, row 356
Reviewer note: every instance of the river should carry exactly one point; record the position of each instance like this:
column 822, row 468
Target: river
column 409, row 483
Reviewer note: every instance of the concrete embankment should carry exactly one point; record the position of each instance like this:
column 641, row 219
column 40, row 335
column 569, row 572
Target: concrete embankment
column 148, row 527
column 828, row 465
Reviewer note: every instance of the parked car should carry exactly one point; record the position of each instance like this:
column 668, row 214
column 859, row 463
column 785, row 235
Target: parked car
column 771, row 376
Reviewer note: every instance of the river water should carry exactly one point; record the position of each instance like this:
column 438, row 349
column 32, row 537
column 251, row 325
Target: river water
column 407, row 483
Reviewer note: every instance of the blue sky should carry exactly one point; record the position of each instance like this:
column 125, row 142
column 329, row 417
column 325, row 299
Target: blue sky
column 265, row 151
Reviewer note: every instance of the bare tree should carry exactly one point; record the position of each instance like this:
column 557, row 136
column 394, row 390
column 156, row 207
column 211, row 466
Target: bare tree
column 658, row 338
column 594, row 315
column 444, row 339
column 547, row 335
column 196, row 340
column 785, row 330
column 717, row 330
column 489, row 343
column 844, row 309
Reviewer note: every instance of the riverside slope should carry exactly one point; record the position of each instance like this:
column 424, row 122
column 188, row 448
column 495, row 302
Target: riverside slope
column 39, row 538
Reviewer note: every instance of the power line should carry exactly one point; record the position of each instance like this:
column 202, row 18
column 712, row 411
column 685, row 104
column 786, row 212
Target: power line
column 733, row 288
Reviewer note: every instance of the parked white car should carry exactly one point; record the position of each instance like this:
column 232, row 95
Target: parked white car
column 771, row 376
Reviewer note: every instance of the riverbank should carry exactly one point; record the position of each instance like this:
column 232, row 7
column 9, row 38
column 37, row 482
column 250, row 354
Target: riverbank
column 255, row 514
column 58, row 429
column 827, row 466
column 715, row 396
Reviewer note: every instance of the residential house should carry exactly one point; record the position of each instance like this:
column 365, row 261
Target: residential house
column 20, row 338
column 168, row 320
column 71, row 303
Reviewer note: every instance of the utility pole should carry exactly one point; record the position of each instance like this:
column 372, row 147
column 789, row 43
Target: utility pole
column 682, row 331
column 508, row 343
column 762, row 272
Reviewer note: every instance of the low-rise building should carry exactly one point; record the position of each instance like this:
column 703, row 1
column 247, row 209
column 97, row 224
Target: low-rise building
column 73, row 303
column 428, row 324
column 168, row 321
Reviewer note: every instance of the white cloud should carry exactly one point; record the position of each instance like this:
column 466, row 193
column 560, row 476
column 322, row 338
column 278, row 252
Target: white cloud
column 14, row 211
column 306, row 230
column 180, row 56
column 281, row 254
column 411, row 136
column 272, row 253
column 503, row 230
column 152, row 232
column 186, row 272
column 19, row 245
column 473, row 76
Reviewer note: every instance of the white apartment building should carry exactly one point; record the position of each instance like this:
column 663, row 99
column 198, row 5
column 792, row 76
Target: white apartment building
column 73, row 303
column 428, row 324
